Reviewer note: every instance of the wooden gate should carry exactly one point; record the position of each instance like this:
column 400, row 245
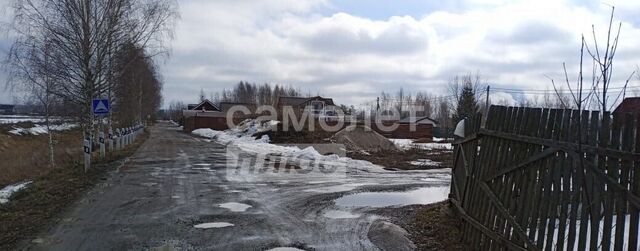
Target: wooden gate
column 548, row 179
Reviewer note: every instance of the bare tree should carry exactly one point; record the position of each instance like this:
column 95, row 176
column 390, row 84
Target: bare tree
column 602, row 69
column 83, row 38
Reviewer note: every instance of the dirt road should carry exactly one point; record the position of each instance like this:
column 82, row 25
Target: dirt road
column 176, row 193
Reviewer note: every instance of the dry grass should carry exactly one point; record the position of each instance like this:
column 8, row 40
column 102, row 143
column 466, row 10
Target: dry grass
column 431, row 227
column 27, row 157
column 35, row 208
column 402, row 159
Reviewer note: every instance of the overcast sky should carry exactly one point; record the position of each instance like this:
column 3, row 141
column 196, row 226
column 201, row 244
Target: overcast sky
column 352, row 50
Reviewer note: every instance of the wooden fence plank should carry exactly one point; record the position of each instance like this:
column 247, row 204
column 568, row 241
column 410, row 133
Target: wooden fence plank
column 577, row 179
column 507, row 187
column 489, row 157
column 556, row 181
column 534, row 192
column 566, row 170
column 625, row 167
column 491, row 218
column 635, row 188
column 589, row 179
column 610, row 194
column 547, row 183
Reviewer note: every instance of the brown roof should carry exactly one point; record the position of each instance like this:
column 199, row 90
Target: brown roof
column 629, row 105
column 204, row 104
column 296, row 101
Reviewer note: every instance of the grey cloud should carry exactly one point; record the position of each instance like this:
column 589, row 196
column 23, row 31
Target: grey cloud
column 396, row 40
column 532, row 33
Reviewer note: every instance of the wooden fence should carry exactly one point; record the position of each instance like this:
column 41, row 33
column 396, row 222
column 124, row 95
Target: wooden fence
column 548, row 179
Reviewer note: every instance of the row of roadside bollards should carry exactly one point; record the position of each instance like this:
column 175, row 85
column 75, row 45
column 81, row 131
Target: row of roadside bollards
column 115, row 141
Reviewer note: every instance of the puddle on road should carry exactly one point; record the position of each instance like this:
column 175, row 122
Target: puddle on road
column 235, row 207
column 213, row 225
column 285, row 249
column 338, row 214
column 423, row 195
column 337, row 188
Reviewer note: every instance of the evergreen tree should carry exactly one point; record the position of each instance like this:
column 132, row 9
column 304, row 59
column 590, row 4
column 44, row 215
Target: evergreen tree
column 467, row 104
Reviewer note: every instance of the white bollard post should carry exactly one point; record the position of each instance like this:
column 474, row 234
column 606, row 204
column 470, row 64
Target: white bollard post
column 101, row 142
column 127, row 137
column 117, row 139
column 87, row 153
column 124, row 138
column 110, row 138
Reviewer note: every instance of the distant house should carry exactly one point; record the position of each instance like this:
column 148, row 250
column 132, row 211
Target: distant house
column 316, row 106
column 205, row 105
column 7, row 109
column 209, row 115
column 424, row 120
column 631, row 105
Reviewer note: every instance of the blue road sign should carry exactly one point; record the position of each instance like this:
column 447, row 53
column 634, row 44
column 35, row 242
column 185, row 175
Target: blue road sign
column 100, row 106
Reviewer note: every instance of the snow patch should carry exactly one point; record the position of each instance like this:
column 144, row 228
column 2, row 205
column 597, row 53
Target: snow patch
column 424, row 162
column 9, row 190
column 339, row 214
column 425, row 195
column 42, row 129
column 406, row 144
column 235, row 207
column 214, row 225
column 285, row 249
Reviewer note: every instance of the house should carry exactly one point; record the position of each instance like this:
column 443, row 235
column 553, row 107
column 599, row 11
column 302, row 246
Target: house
column 206, row 114
column 316, row 106
column 7, row 109
column 631, row 105
column 424, row 120
column 205, row 105
column 408, row 128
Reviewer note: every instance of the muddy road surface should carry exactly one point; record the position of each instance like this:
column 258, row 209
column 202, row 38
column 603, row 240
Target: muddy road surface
column 177, row 193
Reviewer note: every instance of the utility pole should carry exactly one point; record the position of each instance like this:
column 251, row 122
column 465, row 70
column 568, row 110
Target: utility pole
column 486, row 104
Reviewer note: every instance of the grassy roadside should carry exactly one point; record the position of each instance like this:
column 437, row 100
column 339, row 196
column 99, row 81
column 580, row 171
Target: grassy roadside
column 35, row 208
column 26, row 157
column 401, row 159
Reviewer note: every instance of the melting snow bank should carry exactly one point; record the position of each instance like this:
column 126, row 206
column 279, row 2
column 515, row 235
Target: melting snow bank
column 242, row 139
column 42, row 129
column 406, row 144
column 214, row 225
column 9, row 190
